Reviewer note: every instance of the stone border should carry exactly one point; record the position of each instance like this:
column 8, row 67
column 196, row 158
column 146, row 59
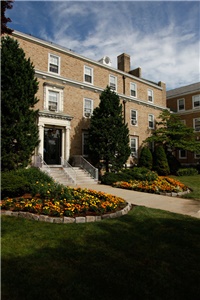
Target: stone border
column 67, row 220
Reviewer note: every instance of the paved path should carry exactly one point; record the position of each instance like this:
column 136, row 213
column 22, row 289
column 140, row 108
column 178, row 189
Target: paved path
column 172, row 204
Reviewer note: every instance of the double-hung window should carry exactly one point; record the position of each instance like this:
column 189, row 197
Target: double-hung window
column 196, row 101
column 134, row 146
column 54, row 64
column 133, row 117
column 196, row 123
column 151, row 121
column 53, row 100
column 150, row 95
column 88, row 74
column 88, row 108
column 133, row 89
column 182, row 154
column 113, row 82
column 181, row 104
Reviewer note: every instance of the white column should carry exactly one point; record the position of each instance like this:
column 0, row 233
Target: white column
column 41, row 138
column 67, row 142
column 63, row 155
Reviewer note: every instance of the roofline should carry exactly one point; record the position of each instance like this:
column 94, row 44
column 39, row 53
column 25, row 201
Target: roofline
column 176, row 94
column 72, row 53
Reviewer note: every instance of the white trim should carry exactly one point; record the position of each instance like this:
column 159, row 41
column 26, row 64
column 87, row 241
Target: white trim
column 84, row 113
column 92, row 75
column 136, row 117
column 194, row 124
column 151, row 121
column 59, row 61
column 180, row 110
column 182, row 157
column 193, row 100
column 149, row 91
column 115, row 82
column 135, row 138
column 47, row 89
column 135, row 89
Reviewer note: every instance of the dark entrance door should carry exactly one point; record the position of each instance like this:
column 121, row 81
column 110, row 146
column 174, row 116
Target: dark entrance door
column 52, row 146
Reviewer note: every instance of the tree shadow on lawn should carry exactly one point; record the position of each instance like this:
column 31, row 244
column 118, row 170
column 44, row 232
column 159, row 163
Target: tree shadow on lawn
column 147, row 254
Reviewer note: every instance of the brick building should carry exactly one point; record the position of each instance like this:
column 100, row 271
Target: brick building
column 69, row 90
column 185, row 102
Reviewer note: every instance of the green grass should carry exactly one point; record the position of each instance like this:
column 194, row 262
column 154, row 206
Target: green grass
column 192, row 182
column 147, row 254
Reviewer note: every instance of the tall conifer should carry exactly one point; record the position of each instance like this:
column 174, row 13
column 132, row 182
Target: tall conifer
column 19, row 133
column 108, row 135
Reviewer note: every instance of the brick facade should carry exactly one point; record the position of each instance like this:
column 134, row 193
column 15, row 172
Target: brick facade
column 185, row 102
column 72, row 90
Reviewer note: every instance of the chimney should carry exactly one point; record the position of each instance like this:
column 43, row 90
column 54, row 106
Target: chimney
column 136, row 72
column 123, row 62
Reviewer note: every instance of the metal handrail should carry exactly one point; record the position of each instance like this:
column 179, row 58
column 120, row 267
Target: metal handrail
column 39, row 163
column 81, row 162
column 69, row 170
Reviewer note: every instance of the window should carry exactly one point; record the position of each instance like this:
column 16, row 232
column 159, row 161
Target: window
column 88, row 74
column 197, row 155
column 133, row 89
column 196, row 124
column 133, row 117
column 150, row 95
column 53, row 98
column 182, row 153
column 196, row 101
column 113, row 82
column 134, row 146
column 54, row 64
column 151, row 121
column 85, row 149
column 88, row 108
column 181, row 104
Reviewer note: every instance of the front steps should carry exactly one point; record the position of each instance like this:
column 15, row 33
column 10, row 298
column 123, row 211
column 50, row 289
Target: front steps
column 60, row 176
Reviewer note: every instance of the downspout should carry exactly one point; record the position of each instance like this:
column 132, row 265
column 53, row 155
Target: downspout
column 124, row 101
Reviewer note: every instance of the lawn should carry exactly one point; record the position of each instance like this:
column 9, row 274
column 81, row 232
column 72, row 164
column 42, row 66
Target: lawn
column 192, row 182
column 147, row 254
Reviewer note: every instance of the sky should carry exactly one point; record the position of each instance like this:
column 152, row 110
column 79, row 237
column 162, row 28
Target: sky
column 161, row 37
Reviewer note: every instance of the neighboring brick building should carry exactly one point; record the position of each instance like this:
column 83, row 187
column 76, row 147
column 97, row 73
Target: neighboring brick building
column 69, row 90
column 185, row 102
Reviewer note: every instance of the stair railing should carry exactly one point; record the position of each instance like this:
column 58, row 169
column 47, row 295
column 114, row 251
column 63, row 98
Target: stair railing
column 80, row 161
column 41, row 164
column 68, row 169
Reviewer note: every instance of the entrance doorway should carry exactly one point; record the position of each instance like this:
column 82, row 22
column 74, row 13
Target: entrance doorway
column 52, row 146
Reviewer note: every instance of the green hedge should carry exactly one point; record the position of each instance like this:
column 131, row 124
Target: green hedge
column 136, row 173
column 187, row 172
column 17, row 183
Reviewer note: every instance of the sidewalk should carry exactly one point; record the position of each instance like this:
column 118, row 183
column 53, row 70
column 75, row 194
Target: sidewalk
column 172, row 204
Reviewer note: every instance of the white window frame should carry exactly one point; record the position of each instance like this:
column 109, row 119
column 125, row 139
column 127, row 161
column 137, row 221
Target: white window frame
column 180, row 152
column 197, row 155
column 151, row 116
column 134, row 153
column 84, row 134
column 133, row 88
column 47, row 90
column 134, row 120
column 87, row 112
column 178, row 104
column 88, row 70
column 49, row 63
column 150, row 94
column 194, row 121
column 113, row 85
column 196, row 98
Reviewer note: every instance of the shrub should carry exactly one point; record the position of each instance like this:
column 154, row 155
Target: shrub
column 146, row 158
column 173, row 163
column 187, row 172
column 160, row 161
column 16, row 183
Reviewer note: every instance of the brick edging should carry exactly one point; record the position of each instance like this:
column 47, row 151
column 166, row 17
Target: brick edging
column 67, row 220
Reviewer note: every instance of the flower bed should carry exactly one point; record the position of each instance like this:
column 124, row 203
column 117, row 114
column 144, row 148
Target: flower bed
column 69, row 202
column 162, row 184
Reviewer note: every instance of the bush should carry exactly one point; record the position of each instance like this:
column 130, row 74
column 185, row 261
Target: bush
column 136, row 173
column 187, row 172
column 160, row 161
column 16, row 183
column 146, row 158
column 174, row 164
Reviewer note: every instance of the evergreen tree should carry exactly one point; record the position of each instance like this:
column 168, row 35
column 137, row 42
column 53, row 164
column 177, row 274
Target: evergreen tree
column 146, row 158
column 173, row 134
column 4, row 20
column 108, row 135
column 160, row 164
column 19, row 133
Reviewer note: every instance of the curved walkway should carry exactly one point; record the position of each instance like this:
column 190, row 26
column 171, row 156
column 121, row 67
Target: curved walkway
column 171, row 204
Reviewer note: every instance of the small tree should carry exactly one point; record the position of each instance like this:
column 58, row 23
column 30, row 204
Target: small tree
column 18, row 118
column 108, row 135
column 4, row 20
column 146, row 158
column 160, row 164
